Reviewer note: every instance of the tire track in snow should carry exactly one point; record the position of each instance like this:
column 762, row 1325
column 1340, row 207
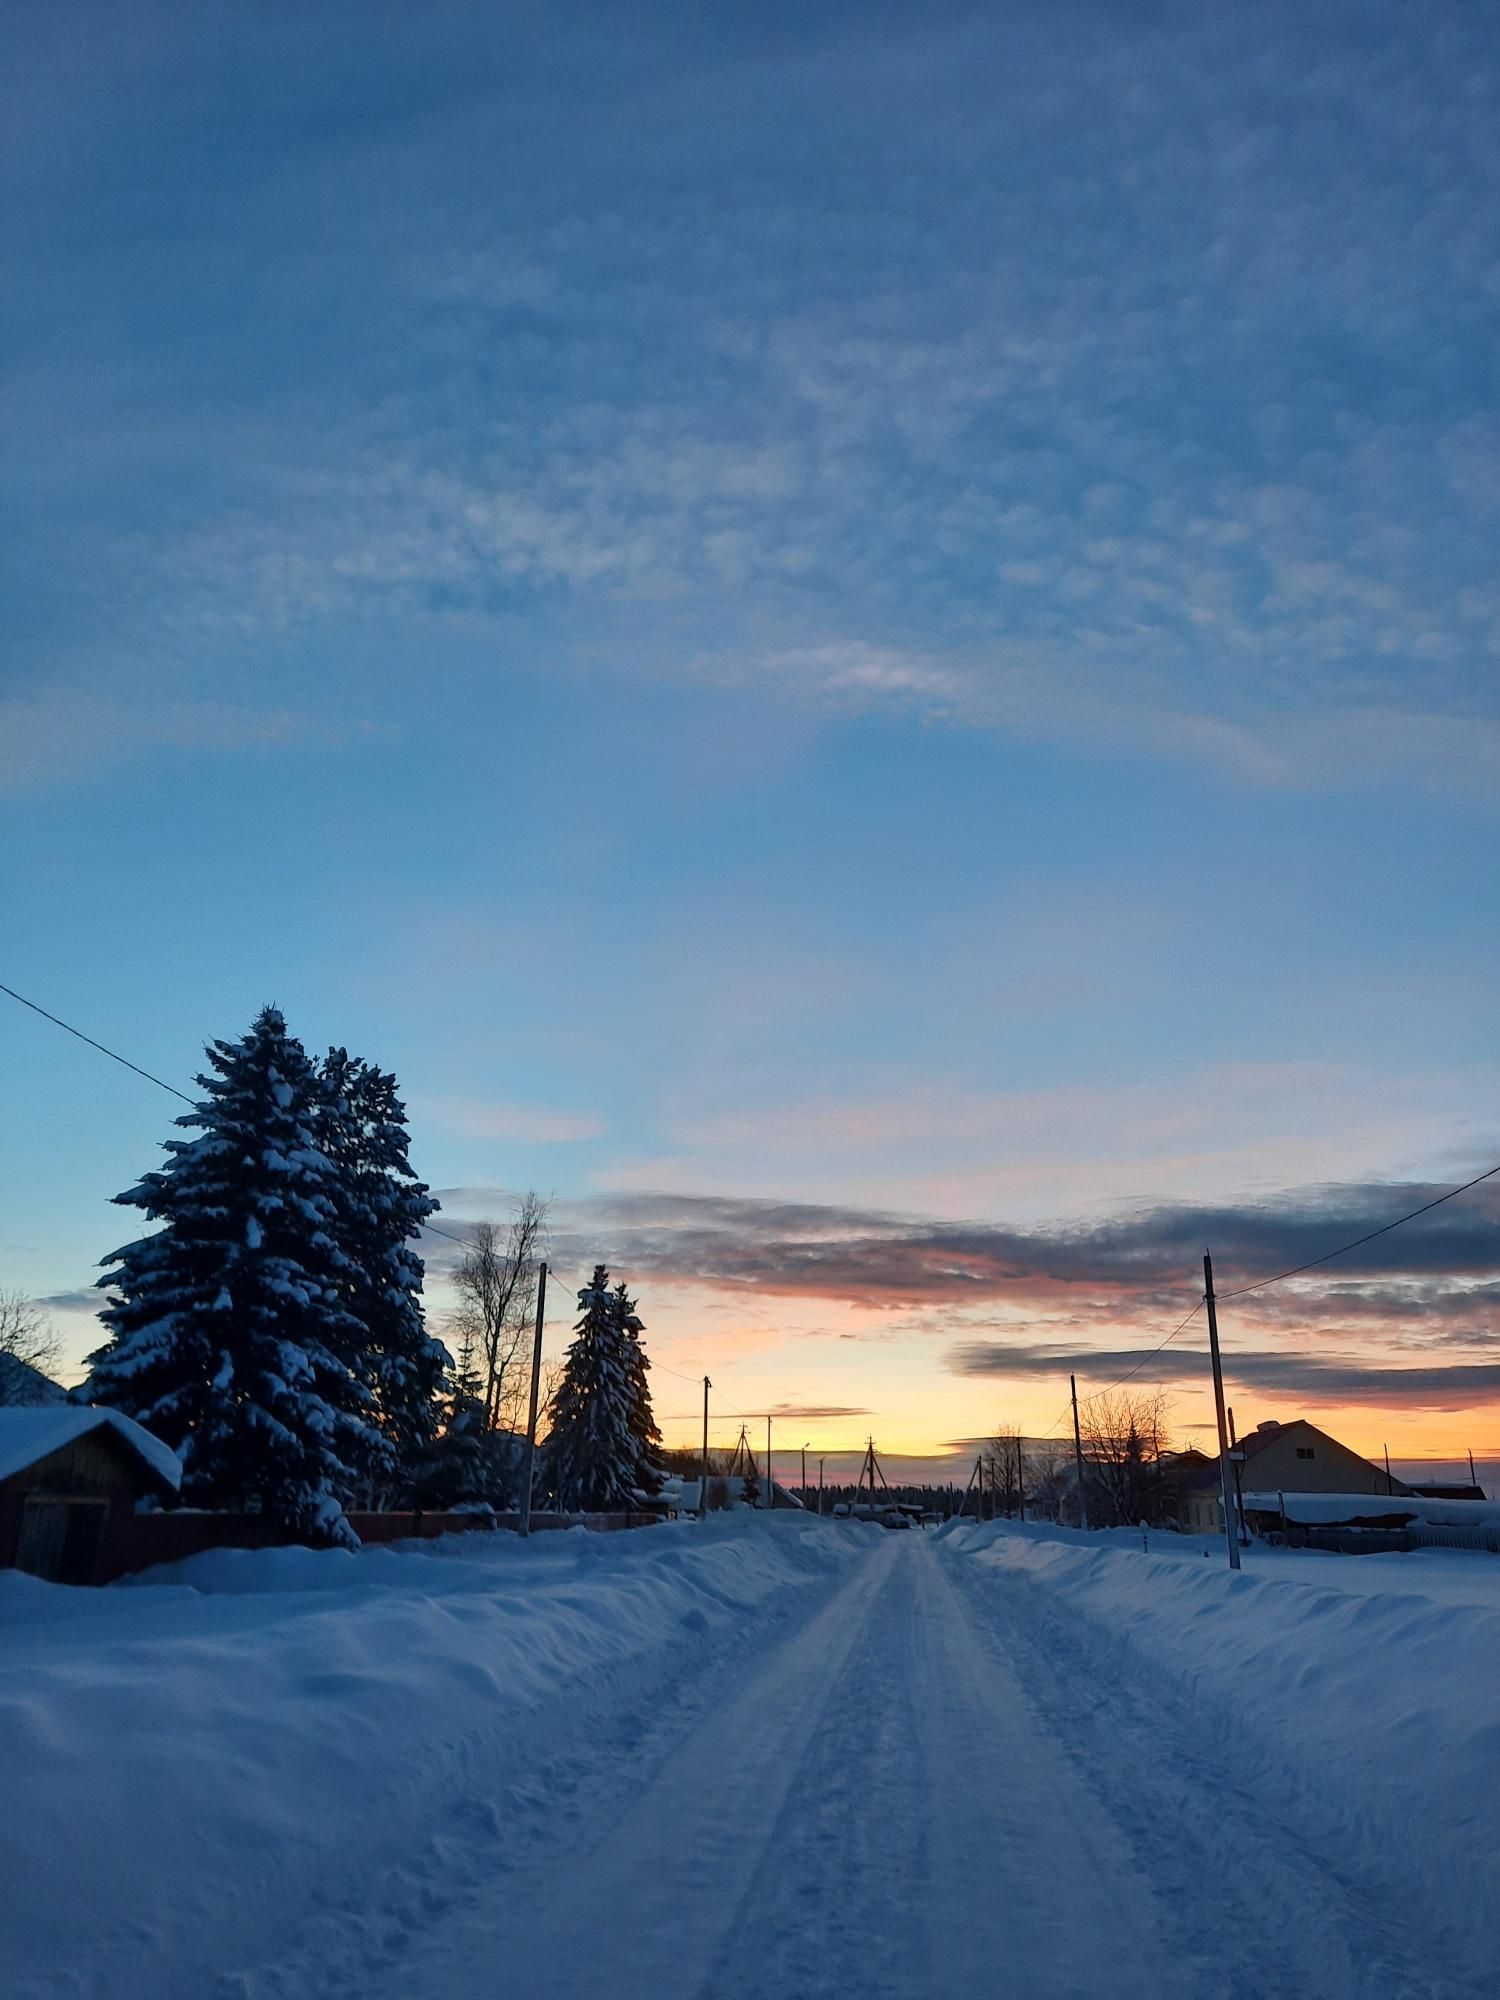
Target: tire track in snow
column 934, row 1843
column 638, row 1845
column 1251, row 1892
column 1033, row 1890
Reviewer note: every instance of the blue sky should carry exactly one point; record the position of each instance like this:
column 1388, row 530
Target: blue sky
column 828, row 606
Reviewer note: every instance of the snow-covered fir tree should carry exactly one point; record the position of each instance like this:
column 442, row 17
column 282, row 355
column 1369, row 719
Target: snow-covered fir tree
column 381, row 1206
column 230, row 1336
column 643, row 1427
column 602, row 1429
column 452, row 1470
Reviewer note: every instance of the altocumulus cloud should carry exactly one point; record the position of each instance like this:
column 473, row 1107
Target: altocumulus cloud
column 739, row 326
column 1447, row 1264
column 1445, row 1387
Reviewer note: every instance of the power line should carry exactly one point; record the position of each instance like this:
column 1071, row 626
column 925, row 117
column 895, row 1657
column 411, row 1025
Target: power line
column 1148, row 1357
column 1094, row 1394
column 432, row 1228
column 1240, row 1291
column 113, row 1054
column 1384, row 1230
column 1296, row 1271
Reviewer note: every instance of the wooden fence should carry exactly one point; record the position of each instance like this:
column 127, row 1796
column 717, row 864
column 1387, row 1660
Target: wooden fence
column 134, row 1542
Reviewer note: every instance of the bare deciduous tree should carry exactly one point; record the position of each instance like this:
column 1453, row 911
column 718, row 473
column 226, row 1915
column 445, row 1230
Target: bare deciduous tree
column 1006, row 1470
column 496, row 1287
column 1049, row 1468
column 29, row 1348
column 1124, row 1436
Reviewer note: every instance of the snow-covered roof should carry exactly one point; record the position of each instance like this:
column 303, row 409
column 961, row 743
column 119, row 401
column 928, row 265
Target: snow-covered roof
column 1331, row 1509
column 28, row 1435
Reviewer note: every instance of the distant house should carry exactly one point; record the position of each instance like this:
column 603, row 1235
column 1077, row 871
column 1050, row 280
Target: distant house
column 727, row 1489
column 67, row 1477
column 1293, row 1457
column 21, row 1384
column 1178, row 1477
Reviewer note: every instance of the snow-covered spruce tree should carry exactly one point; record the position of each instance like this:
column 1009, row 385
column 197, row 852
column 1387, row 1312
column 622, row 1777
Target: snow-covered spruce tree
column 381, row 1206
column 451, row 1470
column 643, row 1428
column 229, row 1335
column 594, row 1453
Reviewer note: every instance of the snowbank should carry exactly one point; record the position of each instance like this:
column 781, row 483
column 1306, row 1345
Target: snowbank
column 1369, row 1685
column 1312, row 1509
column 193, row 1758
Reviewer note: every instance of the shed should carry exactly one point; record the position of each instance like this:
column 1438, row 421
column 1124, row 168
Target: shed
column 68, row 1475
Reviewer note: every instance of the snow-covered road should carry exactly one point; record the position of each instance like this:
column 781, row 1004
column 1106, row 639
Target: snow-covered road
column 811, row 1759
column 931, row 1780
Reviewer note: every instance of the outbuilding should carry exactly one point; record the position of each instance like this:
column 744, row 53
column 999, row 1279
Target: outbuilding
column 69, row 1479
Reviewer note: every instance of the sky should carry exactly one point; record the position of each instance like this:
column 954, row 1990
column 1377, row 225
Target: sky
column 862, row 642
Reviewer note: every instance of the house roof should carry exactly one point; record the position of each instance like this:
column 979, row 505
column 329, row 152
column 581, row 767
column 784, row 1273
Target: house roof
column 24, row 1386
column 1253, row 1443
column 29, row 1435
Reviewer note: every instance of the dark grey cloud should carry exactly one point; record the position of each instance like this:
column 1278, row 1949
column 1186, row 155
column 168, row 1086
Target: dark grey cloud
column 1444, row 1267
column 817, row 1410
column 1448, row 1386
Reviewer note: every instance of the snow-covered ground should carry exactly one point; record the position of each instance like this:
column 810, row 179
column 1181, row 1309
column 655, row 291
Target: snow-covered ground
column 899, row 1765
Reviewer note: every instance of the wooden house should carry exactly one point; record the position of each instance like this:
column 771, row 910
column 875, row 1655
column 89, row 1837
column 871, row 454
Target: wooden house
column 69, row 1479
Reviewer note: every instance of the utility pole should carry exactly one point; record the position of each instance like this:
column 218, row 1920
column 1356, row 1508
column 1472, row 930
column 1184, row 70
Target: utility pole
column 770, row 1480
column 804, row 1476
column 523, row 1524
column 703, row 1489
column 1231, row 1540
column 1020, row 1477
column 820, row 1488
column 1472, row 1480
column 1388, row 1486
column 1083, row 1505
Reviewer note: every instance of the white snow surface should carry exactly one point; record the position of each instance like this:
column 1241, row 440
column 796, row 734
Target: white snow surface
column 904, row 1766
column 28, row 1435
column 1310, row 1509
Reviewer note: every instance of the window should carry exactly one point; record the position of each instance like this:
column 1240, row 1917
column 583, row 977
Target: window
column 1304, row 1451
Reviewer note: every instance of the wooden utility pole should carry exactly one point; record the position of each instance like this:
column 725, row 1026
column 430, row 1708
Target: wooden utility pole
column 820, row 1489
column 804, row 1476
column 1231, row 1539
column 770, row 1477
column 703, row 1489
column 1388, row 1486
column 1472, row 1480
column 523, row 1524
column 1083, row 1505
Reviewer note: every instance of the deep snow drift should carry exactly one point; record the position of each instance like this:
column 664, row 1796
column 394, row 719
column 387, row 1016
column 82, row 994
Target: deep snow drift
column 903, row 1765
column 1373, row 1682
column 196, row 1758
